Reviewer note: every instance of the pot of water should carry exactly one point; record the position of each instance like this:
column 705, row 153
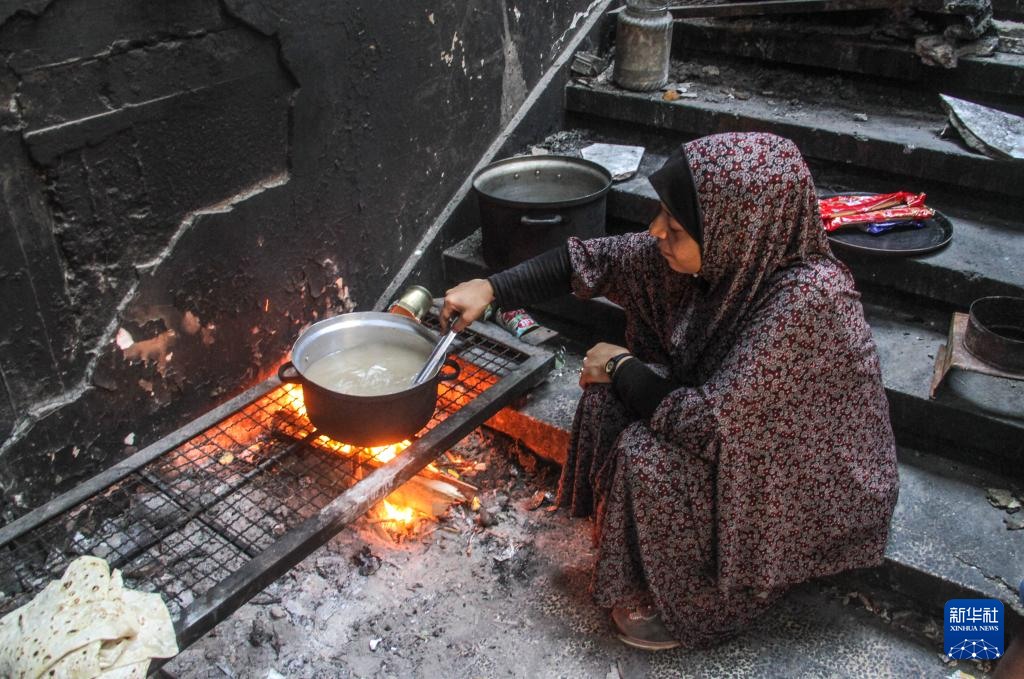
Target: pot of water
column 356, row 372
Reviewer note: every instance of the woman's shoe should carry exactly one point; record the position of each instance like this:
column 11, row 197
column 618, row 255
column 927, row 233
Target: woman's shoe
column 641, row 627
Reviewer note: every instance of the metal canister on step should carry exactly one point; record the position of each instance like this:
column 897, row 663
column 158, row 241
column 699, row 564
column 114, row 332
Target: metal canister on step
column 414, row 302
column 643, row 45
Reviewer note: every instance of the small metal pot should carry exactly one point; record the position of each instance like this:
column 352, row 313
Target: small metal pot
column 365, row 420
column 995, row 332
column 531, row 204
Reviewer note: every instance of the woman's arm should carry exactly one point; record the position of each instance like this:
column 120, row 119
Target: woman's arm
column 542, row 277
column 545, row 276
column 640, row 388
column 616, row 267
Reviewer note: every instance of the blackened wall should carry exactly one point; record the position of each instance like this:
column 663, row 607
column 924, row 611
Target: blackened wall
column 184, row 185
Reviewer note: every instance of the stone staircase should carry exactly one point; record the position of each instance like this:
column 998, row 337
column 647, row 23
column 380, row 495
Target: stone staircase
column 1012, row 10
column 868, row 118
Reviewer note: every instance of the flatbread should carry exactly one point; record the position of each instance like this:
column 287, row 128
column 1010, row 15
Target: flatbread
column 155, row 638
column 83, row 624
column 79, row 663
column 111, row 650
column 67, row 615
column 136, row 671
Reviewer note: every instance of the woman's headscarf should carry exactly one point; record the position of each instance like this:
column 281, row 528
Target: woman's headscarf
column 758, row 214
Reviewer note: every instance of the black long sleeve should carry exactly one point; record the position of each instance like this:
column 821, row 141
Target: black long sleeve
column 549, row 275
column 640, row 388
column 537, row 279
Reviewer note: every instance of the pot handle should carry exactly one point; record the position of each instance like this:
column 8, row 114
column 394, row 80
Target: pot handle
column 453, row 375
column 282, row 374
column 553, row 220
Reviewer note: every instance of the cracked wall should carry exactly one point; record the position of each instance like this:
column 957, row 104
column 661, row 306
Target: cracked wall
column 186, row 185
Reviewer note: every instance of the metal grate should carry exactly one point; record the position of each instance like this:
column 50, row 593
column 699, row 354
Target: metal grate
column 195, row 513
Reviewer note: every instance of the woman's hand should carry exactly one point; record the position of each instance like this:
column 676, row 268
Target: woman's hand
column 469, row 300
column 595, row 360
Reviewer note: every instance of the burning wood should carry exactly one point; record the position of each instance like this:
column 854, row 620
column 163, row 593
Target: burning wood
column 293, row 399
column 404, row 513
column 427, row 496
column 399, row 518
column 422, row 499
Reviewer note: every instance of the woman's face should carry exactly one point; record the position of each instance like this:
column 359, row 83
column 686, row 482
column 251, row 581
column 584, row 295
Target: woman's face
column 678, row 248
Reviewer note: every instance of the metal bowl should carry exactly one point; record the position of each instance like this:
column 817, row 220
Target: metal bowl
column 356, row 329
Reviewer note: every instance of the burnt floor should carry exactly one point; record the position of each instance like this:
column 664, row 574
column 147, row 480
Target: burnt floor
column 511, row 600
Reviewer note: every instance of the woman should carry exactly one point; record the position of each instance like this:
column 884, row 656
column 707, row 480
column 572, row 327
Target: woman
column 741, row 443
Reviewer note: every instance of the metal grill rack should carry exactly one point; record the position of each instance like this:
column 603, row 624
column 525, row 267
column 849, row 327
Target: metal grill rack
column 212, row 513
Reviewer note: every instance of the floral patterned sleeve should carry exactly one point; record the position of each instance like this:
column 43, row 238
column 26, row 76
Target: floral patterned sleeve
column 612, row 267
column 757, row 394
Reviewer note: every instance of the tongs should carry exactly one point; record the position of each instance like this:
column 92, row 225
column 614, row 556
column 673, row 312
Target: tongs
column 438, row 355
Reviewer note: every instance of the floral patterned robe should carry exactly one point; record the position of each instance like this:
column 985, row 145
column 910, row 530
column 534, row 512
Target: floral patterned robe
column 775, row 462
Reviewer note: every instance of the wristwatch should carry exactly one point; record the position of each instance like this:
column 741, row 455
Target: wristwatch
column 614, row 362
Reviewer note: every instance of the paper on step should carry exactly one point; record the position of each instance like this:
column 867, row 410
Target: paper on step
column 990, row 131
column 621, row 161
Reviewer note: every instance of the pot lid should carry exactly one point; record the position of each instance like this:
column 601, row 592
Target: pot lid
column 543, row 181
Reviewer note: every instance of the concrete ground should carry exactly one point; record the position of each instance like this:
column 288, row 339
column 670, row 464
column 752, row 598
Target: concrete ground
column 511, row 600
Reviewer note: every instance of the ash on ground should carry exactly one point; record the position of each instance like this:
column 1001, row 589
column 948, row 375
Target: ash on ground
column 503, row 592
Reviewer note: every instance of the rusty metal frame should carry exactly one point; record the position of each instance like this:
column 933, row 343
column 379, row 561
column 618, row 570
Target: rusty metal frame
column 298, row 543
column 265, row 566
column 129, row 465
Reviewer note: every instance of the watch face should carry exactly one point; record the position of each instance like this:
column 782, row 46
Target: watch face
column 609, row 367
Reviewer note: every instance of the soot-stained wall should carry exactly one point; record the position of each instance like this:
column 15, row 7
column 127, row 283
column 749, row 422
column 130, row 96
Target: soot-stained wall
column 186, row 184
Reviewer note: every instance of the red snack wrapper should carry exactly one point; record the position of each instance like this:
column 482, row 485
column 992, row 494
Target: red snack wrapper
column 842, row 206
column 899, row 214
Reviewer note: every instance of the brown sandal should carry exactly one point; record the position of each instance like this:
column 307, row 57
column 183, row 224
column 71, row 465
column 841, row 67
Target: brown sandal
column 641, row 627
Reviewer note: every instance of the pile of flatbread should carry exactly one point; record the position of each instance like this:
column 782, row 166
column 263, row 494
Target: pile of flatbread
column 86, row 625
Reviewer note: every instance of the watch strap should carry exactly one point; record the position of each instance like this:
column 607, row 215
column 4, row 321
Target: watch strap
column 613, row 363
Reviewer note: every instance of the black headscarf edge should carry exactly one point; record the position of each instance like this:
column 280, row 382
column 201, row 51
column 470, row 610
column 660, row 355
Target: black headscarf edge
column 674, row 184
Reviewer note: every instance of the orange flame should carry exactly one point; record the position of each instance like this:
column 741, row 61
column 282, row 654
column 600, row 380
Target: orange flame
column 396, row 517
column 293, row 399
column 379, row 454
column 400, row 518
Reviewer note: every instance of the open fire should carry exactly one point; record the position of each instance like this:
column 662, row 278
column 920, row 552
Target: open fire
column 402, row 513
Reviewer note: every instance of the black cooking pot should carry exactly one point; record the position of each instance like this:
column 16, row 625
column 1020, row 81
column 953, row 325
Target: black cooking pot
column 534, row 203
column 365, row 420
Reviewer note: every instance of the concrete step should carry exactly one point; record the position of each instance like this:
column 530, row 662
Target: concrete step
column 1012, row 10
column 986, row 256
column 974, row 419
column 822, row 114
column 803, row 42
column 947, row 541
